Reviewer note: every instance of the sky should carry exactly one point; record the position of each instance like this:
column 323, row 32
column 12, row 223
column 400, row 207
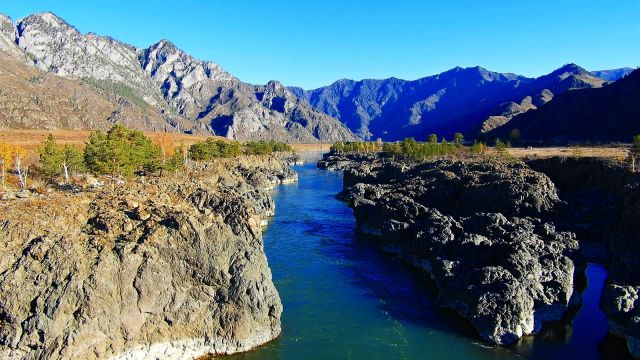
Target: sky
column 312, row 43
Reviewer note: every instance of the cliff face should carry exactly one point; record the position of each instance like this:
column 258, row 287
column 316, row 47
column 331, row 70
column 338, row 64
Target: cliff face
column 157, row 268
column 478, row 228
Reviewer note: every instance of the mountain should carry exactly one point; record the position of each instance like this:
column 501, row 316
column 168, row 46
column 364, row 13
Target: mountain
column 539, row 91
column 33, row 99
column 8, row 36
column 610, row 113
column 613, row 75
column 184, row 94
column 467, row 100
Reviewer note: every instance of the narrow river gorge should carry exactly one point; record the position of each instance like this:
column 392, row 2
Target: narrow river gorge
column 344, row 299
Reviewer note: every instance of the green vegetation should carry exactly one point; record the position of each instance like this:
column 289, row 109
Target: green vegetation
column 117, row 88
column 432, row 139
column 514, row 136
column 357, row 146
column 176, row 161
column 56, row 160
column 478, row 148
column 121, row 151
column 212, row 148
column 501, row 148
column 458, row 138
column 409, row 148
column 265, row 147
column 576, row 152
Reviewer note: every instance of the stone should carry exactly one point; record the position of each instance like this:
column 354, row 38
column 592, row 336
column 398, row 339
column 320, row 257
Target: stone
column 478, row 228
column 100, row 275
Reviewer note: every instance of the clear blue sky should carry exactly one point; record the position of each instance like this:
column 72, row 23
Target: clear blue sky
column 313, row 43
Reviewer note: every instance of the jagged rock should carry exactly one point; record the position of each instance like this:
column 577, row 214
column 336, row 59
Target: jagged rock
column 477, row 228
column 8, row 36
column 158, row 268
column 58, row 47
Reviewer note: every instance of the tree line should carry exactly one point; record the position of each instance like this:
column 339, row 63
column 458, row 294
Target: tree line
column 212, row 148
column 408, row 148
column 120, row 152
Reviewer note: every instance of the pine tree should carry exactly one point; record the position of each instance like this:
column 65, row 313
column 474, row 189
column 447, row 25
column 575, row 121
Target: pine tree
column 72, row 161
column 121, row 152
column 50, row 158
column 458, row 138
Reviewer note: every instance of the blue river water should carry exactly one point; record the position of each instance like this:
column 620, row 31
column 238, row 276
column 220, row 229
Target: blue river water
column 343, row 299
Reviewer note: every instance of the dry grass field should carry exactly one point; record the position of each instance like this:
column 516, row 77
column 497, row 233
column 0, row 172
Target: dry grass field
column 32, row 139
column 601, row 152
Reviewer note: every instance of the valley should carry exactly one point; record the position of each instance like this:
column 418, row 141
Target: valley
column 189, row 181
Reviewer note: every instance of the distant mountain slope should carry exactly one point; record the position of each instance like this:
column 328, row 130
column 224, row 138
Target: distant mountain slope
column 466, row 100
column 610, row 113
column 191, row 95
column 33, row 99
column 614, row 74
column 539, row 91
column 220, row 103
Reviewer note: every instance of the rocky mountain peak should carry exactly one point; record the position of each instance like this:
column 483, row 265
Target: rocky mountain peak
column 276, row 86
column 6, row 24
column 45, row 21
column 568, row 70
column 8, row 36
column 186, row 92
column 164, row 46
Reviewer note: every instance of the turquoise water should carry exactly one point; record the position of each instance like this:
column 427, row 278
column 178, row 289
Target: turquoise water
column 343, row 299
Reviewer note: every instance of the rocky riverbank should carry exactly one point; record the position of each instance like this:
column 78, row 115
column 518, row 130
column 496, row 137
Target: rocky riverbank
column 169, row 267
column 478, row 228
column 604, row 208
column 498, row 238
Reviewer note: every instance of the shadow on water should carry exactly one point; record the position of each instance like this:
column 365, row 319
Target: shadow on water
column 344, row 299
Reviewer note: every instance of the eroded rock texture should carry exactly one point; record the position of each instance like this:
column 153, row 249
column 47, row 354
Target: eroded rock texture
column 479, row 229
column 169, row 267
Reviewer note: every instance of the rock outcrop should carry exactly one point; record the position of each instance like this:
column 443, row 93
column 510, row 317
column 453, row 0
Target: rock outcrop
column 479, row 229
column 157, row 268
column 604, row 207
column 8, row 35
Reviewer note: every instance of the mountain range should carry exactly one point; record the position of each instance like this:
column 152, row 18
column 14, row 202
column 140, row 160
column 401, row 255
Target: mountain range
column 609, row 113
column 52, row 76
column 95, row 81
column 467, row 100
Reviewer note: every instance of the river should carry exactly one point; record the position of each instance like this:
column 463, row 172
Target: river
column 343, row 299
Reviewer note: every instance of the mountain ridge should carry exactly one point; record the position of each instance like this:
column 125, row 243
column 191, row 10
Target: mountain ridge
column 470, row 100
column 199, row 95
column 609, row 113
